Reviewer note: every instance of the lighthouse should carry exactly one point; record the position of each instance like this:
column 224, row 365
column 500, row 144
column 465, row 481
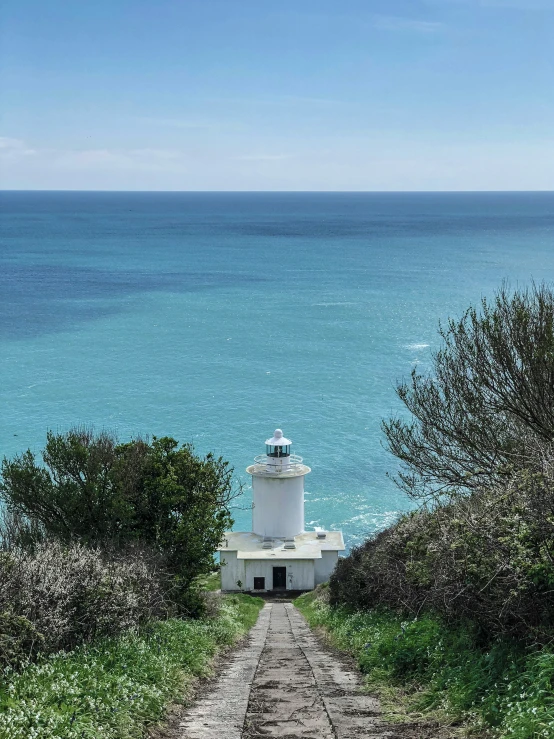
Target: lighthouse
column 278, row 554
column 278, row 489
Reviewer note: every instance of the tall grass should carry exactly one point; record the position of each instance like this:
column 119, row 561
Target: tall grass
column 210, row 583
column 502, row 687
column 115, row 687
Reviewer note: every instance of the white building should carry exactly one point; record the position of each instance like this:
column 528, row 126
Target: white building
column 278, row 554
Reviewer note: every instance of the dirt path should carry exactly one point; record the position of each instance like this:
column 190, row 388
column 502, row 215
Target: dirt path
column 285, row 683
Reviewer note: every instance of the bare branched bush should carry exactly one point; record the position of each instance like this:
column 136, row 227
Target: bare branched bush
column 212, row 604
column 487, row 402
column 58, row 596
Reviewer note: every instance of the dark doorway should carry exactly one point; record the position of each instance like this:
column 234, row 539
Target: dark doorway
column 259, row 583
column 279, row 578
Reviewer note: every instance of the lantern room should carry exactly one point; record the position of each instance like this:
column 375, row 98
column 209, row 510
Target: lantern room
column 278, row 446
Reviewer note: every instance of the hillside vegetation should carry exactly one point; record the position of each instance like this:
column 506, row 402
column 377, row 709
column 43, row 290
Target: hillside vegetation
column 470, row 572
column 439, row 674
column 114, row 688
column 105, row 559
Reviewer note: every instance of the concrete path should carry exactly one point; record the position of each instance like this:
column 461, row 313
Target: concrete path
column 285, row 684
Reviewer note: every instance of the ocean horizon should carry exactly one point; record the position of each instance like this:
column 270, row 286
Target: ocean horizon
column 218, row 317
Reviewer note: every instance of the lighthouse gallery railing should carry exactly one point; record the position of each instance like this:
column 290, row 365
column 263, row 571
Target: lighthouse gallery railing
column 284, row 463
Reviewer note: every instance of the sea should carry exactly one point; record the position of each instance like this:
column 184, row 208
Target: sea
column 215, row 318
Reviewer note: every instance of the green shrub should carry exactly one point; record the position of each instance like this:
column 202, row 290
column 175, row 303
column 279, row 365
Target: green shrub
column 92, row 490
column 476, row 451
column 488, row 557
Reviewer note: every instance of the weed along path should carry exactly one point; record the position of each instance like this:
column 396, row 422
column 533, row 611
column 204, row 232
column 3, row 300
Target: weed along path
column 284, row 683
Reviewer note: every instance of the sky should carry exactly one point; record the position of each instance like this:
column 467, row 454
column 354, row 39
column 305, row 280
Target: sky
column 289, row 95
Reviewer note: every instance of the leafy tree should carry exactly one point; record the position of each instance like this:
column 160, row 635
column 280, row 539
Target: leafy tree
column 73, row 495
column 92, row 490
column 486, row 409
column 180, row 502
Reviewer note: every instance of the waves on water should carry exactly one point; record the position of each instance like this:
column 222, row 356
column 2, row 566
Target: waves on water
column 216, row 318
column 416, row 347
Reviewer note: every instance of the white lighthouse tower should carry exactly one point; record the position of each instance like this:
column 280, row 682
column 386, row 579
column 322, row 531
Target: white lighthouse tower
column 278, row 490
column 278, row 554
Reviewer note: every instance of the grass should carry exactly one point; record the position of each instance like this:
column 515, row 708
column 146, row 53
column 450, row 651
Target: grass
column 115, row 688
column 211, row 582
column 443, row 672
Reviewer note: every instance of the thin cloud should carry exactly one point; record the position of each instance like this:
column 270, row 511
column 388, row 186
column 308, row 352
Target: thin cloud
column 141, row 160
column 10, row 147
column 163, row 154
column 194, row 126
column 286, row 99
column 519, row 4
column 513, row 4
column 397, row 23
column 277, row 100
column 179, row 123
column 8, row 143
column 263, row 157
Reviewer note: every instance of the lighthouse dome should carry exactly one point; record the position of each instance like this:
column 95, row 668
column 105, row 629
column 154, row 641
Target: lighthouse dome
column 278, row 439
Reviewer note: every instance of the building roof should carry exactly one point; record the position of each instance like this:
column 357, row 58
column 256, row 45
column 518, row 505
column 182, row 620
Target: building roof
column 248, row 545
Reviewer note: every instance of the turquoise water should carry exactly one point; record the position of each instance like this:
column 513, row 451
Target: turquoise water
column 215, row 318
